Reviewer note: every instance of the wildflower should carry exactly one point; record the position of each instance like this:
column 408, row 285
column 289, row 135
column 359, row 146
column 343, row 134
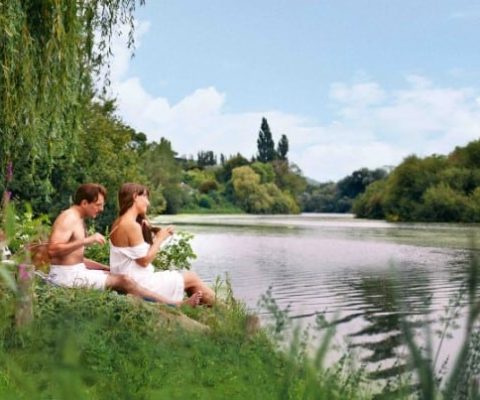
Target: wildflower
column 23, row 272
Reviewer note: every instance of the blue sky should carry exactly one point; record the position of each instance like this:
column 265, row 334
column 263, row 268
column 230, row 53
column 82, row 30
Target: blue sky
column 351, row 83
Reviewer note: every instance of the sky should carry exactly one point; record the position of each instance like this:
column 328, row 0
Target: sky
column 351, row 83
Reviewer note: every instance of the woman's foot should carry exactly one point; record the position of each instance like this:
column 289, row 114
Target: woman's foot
column 194, row 300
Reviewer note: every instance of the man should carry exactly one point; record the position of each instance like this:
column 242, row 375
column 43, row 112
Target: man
column 67, row 244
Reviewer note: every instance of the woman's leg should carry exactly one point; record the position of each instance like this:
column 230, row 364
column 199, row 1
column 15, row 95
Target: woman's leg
column 125, row 284
column 194, row 284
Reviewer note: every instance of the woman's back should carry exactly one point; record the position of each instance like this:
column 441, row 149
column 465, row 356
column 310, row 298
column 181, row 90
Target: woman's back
column 127, row 246
column 126, row 232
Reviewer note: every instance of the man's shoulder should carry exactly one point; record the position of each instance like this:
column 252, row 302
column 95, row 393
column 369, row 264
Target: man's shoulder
column 68, row 216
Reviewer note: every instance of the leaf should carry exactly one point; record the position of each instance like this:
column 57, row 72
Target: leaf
column 9, row 223
column 7, row 277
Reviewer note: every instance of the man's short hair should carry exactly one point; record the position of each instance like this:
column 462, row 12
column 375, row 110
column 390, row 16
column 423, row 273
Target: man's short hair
column 89, row 192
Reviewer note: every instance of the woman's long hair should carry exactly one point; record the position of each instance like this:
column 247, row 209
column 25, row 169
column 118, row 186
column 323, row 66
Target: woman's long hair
column 126, row 195
column 125, row 202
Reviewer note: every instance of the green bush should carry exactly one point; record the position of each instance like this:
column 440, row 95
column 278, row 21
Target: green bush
column 442, row 203
column 207, row 186
column 205, row 202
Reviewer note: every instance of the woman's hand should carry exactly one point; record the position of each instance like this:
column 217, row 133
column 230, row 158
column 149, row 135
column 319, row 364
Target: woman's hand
column 164, row 233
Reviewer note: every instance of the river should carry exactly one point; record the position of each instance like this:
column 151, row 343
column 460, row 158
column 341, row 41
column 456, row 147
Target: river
column 351, row 270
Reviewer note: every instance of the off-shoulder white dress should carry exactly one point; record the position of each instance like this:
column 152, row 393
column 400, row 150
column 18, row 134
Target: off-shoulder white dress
column 169, row 284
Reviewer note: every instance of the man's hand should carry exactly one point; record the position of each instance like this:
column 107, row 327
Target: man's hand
column 95, row 238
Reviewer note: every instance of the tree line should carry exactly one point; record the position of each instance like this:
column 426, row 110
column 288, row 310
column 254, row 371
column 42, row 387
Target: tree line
column 266, row 183
column 440, row 188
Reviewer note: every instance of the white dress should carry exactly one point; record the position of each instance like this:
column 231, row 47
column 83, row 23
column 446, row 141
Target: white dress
column 169, row 284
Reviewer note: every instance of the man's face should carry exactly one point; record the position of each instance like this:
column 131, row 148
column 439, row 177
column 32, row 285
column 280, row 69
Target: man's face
column 96, row 207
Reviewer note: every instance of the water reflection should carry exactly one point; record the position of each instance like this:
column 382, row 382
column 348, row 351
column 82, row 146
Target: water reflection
column 364, row 274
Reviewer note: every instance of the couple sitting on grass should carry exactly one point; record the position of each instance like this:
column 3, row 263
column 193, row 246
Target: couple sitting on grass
column 132, row 249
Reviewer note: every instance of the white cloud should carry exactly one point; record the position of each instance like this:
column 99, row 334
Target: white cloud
column 374, row 126
column 360, row 94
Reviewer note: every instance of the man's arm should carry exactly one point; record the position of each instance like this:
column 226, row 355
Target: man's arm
column 62, row 231
column 60, row 240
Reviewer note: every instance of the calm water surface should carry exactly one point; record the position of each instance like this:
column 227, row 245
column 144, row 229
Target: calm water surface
column 340, row 266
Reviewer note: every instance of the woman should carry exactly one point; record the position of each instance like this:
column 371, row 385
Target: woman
column 131, row 254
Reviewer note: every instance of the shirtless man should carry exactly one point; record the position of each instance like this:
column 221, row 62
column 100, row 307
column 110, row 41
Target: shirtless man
column 67, row 243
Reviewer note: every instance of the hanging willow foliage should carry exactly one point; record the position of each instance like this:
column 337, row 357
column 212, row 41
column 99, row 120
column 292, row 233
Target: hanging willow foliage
column 50, row 51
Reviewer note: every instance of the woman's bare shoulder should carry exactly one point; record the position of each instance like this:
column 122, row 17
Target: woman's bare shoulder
column 125, row 232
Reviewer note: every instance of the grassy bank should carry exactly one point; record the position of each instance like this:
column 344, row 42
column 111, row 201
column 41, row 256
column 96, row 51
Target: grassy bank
column 85, row 344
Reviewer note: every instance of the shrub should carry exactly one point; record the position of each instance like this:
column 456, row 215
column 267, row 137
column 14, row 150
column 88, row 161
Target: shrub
column 207, row 186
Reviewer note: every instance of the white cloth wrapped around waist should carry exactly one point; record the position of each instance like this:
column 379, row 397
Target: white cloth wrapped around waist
column 123, row 261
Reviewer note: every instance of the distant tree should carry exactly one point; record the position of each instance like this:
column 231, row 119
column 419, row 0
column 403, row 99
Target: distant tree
column 265, row 143
column 222, row 159
column 250, row 195
column 224, row 174
column 282, row 148
column 352, row 185
column 407, row 184
column 164, row 175
column 206, row 158
column 370, row 204
column 468, row 156
column 319, row 198
column 139, row 141
column 289, row 178
column 265, row 171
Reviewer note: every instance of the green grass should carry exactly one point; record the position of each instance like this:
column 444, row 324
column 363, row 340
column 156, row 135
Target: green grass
column 86, row 344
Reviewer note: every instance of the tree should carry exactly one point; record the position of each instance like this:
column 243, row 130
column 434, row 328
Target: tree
column 288, row 177
column 282, row 148
column 225, row 173
column 249, row 193
column 355, row 183
column 265, row 171
column 206, row 158
column 164, row 175
column 407, row 184
column 106, row 154
column 47, row 62
column 369, row 204
column 265, row 143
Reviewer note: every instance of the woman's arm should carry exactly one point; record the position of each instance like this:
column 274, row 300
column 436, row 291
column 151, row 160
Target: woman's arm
column 158, row 239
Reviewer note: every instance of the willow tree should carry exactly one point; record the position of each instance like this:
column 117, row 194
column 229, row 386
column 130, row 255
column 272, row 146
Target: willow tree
column 50, row 53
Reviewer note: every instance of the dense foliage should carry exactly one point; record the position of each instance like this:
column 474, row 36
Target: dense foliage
column 48, row 60
column 331, row 197
column 434, row 188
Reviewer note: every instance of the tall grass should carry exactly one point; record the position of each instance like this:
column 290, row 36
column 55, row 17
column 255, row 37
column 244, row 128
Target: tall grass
column 100, row 345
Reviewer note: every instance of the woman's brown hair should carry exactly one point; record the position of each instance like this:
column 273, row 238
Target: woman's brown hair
column 125, row 201
column 126, row 195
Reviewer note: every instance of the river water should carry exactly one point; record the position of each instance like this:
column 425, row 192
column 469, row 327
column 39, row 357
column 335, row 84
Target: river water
column 352, row 270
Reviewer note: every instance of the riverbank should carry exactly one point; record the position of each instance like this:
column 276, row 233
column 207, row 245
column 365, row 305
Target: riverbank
column 85, row 344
